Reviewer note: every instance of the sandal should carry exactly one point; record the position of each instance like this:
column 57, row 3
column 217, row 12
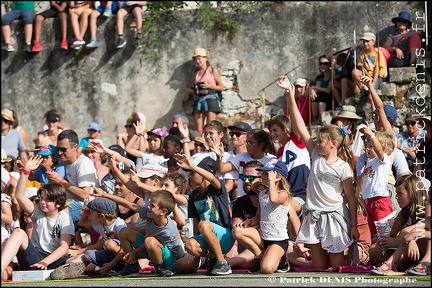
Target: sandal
column 380, row 271
column 363, row 254
column 424, row 270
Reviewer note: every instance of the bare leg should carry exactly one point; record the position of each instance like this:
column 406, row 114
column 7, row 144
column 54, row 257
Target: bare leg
column 38, row 27
column 199, row 121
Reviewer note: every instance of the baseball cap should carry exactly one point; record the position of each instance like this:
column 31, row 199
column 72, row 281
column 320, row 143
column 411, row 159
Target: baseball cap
column 102, row 205
column 118, row 149
column 53, row 117
column 94, row 126
column 242, row 126
column 47, row 150
column 368, row 36
column 209, row 165
column 161, row 132
column 275, row 165
column 149, row 170
column 390, row 112
column 300, row 82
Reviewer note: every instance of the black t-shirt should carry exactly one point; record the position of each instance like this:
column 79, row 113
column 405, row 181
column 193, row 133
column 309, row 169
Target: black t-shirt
column 243, row 208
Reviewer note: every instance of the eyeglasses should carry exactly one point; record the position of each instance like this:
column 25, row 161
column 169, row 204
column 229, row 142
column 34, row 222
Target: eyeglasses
column 5, row 120
column 324, row 63
column 63, row 149
column 250, row 178
column 412, row 123
column 237, row 134
column 128, row 126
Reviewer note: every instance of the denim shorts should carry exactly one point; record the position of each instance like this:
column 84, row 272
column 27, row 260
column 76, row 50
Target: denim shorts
column 26, row 16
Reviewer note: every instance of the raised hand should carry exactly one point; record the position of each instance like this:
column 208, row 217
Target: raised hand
column 98, row 145
column 33, row 162
column 183, row 161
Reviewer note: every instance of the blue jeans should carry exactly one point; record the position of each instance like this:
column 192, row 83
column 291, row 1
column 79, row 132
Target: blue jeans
column 27, row 17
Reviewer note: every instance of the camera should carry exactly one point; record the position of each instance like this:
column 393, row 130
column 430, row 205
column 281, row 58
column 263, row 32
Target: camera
column 197, row 88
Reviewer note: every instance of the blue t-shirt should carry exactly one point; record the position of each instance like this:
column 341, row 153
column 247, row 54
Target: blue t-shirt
column 41, row 176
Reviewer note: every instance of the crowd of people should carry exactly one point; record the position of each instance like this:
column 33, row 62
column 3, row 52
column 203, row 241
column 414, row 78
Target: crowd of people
column 175, row 200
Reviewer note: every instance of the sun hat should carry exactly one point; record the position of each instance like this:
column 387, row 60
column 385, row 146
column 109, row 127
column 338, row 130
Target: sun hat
column 4, row 157
column 200, row 52
column 300, row 82
column 241, row 126
column 403, row 15
column 423, row 121
column 47, row 150
column 41, row 141
column 161, row 132
column 349, row 112
column 202, row 141
column 275, row 165
column 148, row 170
column 7, row 114
column 102, row 205
column 368, row 36
column 409, row 117
column 94, row 126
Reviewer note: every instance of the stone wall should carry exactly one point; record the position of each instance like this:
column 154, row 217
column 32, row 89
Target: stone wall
column 107, row 84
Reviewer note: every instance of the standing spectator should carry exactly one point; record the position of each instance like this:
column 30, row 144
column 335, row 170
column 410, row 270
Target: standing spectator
column 54, row 126
column 403, row 43
column 106, row 8
column 52, row 232
column 79, row 14
column 12, row 141
column 126, row 7
column 58, row 9
column 80, row 172
column 330, row 182
column 25, row 11
column 204, row 84
column 302, row 99
column 93, row 133
column 409, row 139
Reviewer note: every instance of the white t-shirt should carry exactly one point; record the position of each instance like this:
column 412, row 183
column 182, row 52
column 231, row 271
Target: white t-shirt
column 81, row 173
column 374, row 175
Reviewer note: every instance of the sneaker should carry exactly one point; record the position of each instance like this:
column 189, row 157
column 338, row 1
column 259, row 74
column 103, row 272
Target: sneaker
column 211, row 264
column 107, row 13
column 128, row 269
column 36, row 47
column 8, row 47
column 121, row 42
column 256, row 267
column 78, row 43
column 163, row 271
column 28, row 48
column 138, row 41
column 64, row 45
column 68, row 271
column 93, row 44
column 283, row 265
column 221, row 268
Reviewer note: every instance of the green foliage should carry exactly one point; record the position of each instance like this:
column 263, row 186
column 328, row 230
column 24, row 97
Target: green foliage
column 224, row 24
column 206, row 13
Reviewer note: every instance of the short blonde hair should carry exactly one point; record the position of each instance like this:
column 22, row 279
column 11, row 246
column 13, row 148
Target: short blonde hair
column 386, row 141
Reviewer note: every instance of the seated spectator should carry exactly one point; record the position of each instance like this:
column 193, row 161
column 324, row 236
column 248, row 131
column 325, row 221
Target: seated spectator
column 24, row 11
column 57, row 9
column 93, row 133
column 409, row 139
column 134, row 7
column 79, row 14
column 50, row 162
column 15, row 125
column 106, row 8
column 401, row 46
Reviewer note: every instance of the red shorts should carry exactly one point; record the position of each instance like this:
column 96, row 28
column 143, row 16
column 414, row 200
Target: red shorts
column 377, row 208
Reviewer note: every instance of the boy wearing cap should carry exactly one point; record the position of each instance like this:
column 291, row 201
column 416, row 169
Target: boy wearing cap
column 93, row 132
column 50, row 163
column 371, row 62
column 161, row 243
column 208, row 205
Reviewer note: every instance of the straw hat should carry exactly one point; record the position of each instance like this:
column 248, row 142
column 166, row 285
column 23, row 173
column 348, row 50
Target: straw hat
column 349, row 112
column 199, row 52
column 41, row 141
column 4, row 157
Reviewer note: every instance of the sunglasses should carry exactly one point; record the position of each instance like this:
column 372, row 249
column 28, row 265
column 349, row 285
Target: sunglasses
column 402, row 21
column 249, row 178
column 63, row 149
column 5, row 120
column 324, row 63
column 237, row 134
column 128, row 126
column 412, row 123
column 363, row 137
